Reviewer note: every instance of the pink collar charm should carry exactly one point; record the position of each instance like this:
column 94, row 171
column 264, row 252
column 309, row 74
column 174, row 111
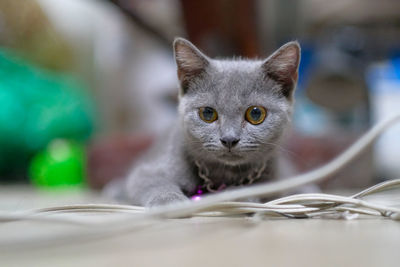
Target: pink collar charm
column 201, row 191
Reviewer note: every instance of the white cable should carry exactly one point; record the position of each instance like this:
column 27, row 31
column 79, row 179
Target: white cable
column 135, row 218
column 302, row 204
column 268, row 189
column 296, row 206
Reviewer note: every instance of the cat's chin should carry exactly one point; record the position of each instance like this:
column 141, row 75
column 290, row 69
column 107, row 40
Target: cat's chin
column 231, row 158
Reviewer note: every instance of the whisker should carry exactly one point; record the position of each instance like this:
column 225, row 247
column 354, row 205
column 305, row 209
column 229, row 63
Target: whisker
column 250, row 148
column 282, row 148
column 210, row 145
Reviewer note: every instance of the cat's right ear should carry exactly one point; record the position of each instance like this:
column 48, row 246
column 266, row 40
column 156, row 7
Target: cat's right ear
column 190, row 61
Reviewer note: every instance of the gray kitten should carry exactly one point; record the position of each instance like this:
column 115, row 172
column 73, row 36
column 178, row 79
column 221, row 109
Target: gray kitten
column 232, row 114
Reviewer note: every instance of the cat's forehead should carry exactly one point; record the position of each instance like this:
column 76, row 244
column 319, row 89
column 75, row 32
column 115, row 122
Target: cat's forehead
column 235, row 76
column 232, row 84
column 237, row 80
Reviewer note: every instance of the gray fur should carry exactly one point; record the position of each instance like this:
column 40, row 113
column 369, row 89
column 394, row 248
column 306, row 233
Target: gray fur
column 169, row 172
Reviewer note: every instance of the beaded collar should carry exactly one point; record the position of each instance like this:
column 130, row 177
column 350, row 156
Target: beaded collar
column 208, row 184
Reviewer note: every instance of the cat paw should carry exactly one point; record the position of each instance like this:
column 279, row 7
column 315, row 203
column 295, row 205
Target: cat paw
column 165, row 199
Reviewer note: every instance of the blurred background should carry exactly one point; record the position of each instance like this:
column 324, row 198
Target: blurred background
column 86, row 85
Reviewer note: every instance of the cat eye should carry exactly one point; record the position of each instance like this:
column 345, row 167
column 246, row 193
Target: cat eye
column 208, row 114
column 255, row 114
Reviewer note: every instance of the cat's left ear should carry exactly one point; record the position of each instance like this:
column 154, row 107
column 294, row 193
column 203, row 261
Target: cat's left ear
column 190, row 61
column 282, row 66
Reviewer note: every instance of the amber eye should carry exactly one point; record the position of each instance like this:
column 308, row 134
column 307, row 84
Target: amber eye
column 256, row 114
column 208, row 114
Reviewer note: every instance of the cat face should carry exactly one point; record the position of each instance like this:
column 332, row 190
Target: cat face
column 235, row 111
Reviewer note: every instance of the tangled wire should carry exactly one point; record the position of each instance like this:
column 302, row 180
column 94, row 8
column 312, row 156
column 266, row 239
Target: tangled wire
column 222, row 204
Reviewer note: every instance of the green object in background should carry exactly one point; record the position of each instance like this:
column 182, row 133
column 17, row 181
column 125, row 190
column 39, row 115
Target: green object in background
column 36, row 107
column 61, row 163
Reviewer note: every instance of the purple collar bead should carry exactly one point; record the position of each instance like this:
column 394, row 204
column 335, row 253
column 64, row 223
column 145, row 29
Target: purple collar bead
column 200, row 191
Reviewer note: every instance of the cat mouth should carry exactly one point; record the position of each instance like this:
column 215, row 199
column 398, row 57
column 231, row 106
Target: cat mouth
column 230, row 156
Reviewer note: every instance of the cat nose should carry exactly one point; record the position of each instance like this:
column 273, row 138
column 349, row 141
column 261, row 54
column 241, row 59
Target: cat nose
column 229, row 141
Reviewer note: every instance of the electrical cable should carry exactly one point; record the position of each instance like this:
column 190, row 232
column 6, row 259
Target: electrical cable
column 314, row 205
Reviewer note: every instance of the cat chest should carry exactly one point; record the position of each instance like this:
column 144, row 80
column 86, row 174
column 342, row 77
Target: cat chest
column 214, row 178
